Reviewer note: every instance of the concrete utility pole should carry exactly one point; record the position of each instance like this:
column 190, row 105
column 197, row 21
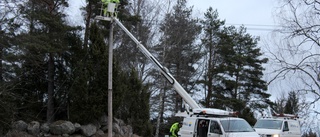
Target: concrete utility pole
column 110, row 80
column 111, row 10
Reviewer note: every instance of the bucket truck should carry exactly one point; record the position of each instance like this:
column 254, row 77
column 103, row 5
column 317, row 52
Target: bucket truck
column 278, row 125
column 207, row 122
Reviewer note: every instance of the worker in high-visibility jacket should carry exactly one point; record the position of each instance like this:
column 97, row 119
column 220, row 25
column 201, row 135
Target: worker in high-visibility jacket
column 105, row 6
column 175, row 129
column 117, row 2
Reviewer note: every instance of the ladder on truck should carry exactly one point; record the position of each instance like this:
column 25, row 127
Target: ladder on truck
column 195, row 108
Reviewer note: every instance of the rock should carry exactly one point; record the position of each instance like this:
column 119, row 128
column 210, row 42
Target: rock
column 119, row 122
column 77, row 136
column 134, row 135
column 77, row 127
column 99, row 132
column 34, row 127
column 127, row 130
column 62, row 127
column 17, row 133
column 20, row 125
column 117, row 129
column 45, row 128
column 88, row 130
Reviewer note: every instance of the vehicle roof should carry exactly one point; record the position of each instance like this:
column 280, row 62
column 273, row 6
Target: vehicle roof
column 281, row 119
column 218, row 118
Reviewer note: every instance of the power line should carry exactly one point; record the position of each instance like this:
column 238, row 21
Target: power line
column 259, row 25
column 256, row 27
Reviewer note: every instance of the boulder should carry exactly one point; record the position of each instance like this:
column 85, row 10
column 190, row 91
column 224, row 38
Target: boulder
column 20, row 125
column 88, row 130
column 45, row 128
column 62, row 127
column 33, row 128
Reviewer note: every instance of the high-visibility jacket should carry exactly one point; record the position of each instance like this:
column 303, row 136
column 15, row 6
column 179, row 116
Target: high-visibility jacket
column 174, row 129
column 105, row 1
column 116, row 1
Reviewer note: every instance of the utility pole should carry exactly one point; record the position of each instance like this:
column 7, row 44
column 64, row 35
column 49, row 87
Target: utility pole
column 110, row 80
column 111, row 10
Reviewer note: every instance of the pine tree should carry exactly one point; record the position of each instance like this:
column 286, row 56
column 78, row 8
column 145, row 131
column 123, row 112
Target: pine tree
column 88, row 95
column 131, row 101
column 292, row 104
column 43, row 46
column 241, row 71
column 212, row 26
column 180, row 31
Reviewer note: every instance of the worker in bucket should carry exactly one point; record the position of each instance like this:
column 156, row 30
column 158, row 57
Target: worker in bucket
column 105, row 6
column 117, row 2
column 175, row 129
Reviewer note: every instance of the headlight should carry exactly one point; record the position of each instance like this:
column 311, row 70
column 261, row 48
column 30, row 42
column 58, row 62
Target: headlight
column 276, row 135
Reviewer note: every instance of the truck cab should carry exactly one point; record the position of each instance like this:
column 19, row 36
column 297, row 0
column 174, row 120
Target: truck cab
column 216, row 125
column 278, row 127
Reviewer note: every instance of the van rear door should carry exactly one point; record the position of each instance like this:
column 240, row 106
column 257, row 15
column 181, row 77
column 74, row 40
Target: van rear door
column 294, row 127
column 290, row 129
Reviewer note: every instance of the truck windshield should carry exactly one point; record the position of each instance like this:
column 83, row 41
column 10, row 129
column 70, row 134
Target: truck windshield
column 236, row 126
column 268, row 124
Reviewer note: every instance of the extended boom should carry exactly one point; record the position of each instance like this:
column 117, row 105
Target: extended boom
column 176, row 85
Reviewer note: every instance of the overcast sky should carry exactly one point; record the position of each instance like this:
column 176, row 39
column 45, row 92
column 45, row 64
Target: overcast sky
column 256, row 15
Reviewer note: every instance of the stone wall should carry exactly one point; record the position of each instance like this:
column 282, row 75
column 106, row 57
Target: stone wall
column 62, row 128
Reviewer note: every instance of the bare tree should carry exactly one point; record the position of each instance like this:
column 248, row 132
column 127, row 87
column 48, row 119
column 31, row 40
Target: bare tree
column 297, row 51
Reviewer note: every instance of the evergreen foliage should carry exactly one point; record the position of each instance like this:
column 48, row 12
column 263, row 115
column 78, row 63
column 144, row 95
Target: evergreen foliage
column 131, row 101
column 288, row 104
column 241, row 70
column 88, row 94
column 292, row 105
column 180, row 32
column 211, row 26
column 48, row 72
column 42, row 48
column 233, row 78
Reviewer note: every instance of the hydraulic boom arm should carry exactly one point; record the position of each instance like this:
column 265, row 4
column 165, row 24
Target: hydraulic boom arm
column 176, row 85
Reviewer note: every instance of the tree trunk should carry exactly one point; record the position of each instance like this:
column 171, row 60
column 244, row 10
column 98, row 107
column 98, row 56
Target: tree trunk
column 1, row 50
column 210, row 78
column 160, row 116
column 50, row 104
column 87, row 28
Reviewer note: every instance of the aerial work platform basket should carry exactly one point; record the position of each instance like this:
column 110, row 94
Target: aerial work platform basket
column 111, row 12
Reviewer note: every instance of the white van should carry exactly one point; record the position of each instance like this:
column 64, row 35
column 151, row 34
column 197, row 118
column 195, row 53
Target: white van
column 216, row 127
column 278, row 127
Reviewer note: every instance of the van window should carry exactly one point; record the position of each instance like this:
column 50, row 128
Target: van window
column 215, row 128
column 268, row 124
column 238, row 125
column 285, row 126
